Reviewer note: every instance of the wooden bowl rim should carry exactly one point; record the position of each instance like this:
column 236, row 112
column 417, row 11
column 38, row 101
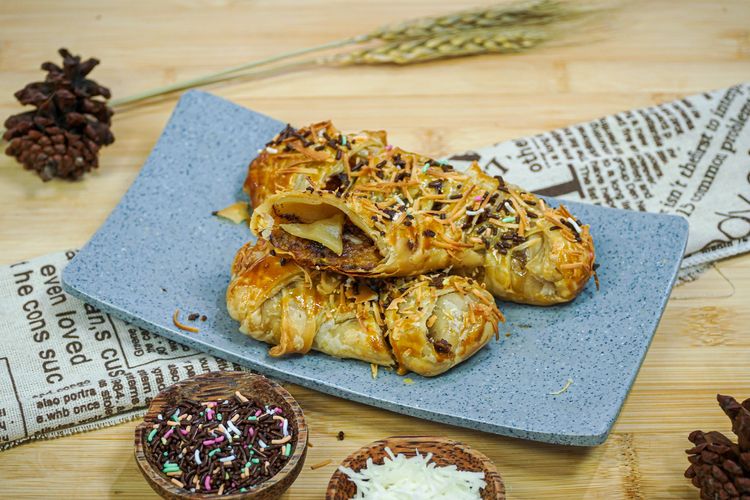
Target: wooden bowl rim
column 168, row 487
column 491, row 473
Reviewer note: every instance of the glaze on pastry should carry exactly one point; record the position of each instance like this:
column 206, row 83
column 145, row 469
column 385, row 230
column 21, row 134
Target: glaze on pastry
column 355, row 205
column 426, row 324
column 435, row 322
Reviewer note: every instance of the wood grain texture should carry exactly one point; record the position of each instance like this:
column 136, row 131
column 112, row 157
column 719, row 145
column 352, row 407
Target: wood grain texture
column 650, row 52
column 445, row 452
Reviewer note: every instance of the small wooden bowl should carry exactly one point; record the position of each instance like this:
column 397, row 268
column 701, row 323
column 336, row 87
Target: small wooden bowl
column 445, row 452
column 218, row 386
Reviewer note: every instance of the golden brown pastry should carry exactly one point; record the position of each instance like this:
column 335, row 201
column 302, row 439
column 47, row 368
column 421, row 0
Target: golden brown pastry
column 432, row 322
column 278, row 302
column 355, row 205
column 292, row 165
column 426, row 325
column 436, row 322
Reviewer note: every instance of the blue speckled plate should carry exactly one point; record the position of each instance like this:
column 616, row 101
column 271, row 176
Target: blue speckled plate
column 162, row 237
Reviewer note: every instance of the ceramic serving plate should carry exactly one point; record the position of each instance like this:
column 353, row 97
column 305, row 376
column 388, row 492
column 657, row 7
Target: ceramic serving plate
column 161, row 249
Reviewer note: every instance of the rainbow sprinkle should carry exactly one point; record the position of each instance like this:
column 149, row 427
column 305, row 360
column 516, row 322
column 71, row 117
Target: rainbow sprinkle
column 218, row 450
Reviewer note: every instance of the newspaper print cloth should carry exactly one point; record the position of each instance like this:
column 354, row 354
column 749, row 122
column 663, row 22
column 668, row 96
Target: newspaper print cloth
column 66, row 367
column 689, row 157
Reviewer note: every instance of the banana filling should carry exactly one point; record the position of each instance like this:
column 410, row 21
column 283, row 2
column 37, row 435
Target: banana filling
column 328, row 232
column 321, row 235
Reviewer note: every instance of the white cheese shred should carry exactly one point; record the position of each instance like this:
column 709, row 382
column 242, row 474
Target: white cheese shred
column 400, row 477
column 575, row 225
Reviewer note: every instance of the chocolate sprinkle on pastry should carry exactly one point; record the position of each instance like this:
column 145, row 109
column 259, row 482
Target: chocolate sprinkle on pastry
column 401, row 176
column 462, row 216
column 442, row 346
column 390, row 213
column 437, row 185
column 377, row 321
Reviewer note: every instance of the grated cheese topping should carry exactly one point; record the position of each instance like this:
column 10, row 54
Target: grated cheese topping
column 414, row 478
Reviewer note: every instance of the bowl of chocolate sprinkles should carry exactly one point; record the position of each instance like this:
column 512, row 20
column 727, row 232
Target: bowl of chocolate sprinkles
column 223, row 434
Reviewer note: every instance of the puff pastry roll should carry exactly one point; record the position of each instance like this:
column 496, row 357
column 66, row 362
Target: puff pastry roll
column 297, row 159
column 280, row 303
column 426, row 325
column 372, row 210
column 435, row 322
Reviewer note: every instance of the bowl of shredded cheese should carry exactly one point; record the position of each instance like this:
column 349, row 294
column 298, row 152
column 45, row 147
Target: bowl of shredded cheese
column 416, row 468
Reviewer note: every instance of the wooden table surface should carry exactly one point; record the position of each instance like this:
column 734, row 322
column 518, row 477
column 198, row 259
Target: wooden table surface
column 651, row 51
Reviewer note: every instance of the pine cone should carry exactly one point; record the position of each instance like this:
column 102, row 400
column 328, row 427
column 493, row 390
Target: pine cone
column 719, row 467
column 62, row 136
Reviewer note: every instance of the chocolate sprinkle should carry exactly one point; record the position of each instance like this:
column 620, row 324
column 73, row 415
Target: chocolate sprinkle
column 220, row 446
column 437, row 185
column 442, row 346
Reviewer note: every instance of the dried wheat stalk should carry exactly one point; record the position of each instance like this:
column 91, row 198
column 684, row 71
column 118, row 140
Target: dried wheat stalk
column 445, row 46
column 506, row 15
column 503, row 28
